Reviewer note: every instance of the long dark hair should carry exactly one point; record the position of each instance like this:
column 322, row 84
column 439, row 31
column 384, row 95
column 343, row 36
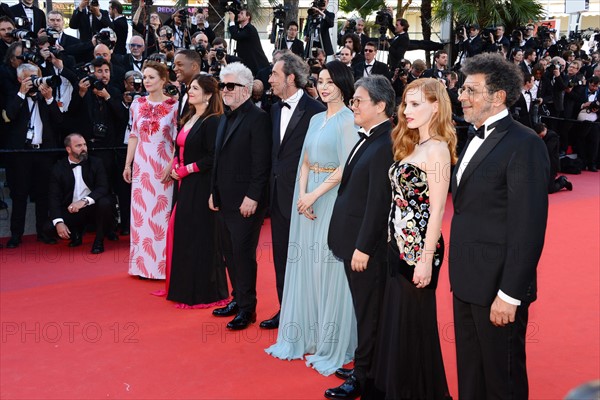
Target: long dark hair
column 215, row 105
column 342, row 77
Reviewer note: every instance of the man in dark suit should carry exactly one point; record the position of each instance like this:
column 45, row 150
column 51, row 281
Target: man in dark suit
column 120, row 26
column 25, row 9
column 88, row 20
column 135, row 59
column 440, row 65
column 359, row 31
column 32, row 113
column 239, row 189
column 5, row 10
column 248, row 46
column 499, row 191
column 370, row 66
column 317, row 34
column 78, row 194
column 7, row 25
column 522, row 109
column 291, row 41
column 529, row 56
column 70, row 44
column 399, row 44
column 290, row 119
column 357, row 231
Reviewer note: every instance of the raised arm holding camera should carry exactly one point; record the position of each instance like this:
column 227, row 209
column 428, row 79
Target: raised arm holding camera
column 89, row 19
column 248, row 47
column 316, row 32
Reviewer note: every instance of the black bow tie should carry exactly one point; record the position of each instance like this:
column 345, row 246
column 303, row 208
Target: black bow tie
column 528, row 92
column 284, row 104
column 362, row 134
column 480, row 133
column 290, row 41
column 472, row 132
column 73, row 166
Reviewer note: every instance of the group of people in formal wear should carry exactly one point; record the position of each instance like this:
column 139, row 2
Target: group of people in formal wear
column 355, row 199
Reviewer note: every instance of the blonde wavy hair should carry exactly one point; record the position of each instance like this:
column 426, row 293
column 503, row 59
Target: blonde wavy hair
column 441, row 126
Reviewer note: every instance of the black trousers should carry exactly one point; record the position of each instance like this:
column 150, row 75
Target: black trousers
column 122, row 189
column 367, row 290
column 280, row 234
column 491, row 360
column 239, row 239
column 100, row 214
column 28, row 175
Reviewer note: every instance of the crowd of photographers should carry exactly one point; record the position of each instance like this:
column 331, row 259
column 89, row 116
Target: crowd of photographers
column 53, row 84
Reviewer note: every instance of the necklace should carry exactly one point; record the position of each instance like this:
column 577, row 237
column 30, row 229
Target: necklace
column 425, row 141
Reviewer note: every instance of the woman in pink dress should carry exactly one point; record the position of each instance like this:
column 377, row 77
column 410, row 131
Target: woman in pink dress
column 150, row 147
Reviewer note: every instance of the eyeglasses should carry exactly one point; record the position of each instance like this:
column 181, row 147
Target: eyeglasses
column 469, row 91
column 135, row 45
column 230, row 86
column 369, row 50
column 355, row 101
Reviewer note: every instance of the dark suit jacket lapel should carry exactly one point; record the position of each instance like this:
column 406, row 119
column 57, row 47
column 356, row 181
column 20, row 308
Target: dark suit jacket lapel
column 351, row 163
column 488, row 145
column 296, row 116
column 276, row 110
column 233, row 126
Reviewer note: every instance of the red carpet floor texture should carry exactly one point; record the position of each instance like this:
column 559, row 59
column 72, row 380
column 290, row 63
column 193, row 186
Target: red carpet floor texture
column 76, row 326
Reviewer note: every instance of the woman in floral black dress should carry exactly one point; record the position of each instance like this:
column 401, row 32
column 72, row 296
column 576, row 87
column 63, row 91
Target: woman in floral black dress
column 408, row 360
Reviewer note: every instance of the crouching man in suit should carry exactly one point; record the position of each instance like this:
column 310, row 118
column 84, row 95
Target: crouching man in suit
column 78, row 195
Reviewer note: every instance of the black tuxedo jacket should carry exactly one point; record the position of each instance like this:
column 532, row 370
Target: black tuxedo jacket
column 500, row 211
column 5, row 11
column 128, row 62
column 360, row 213
column 39, row 17
column 121, row 29
column 242, row 158
column 378, row 68
column 62, row 184
column 82, row 51
column 285, row 156
column 249, row 48
column 80, row 20
column 364, row 39
column 433, row 73
column 297, row 46
column 520, row 113
column 398, row 47
column 19, row 114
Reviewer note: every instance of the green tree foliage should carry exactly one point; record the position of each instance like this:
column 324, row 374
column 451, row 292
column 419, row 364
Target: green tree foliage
column 361, row 7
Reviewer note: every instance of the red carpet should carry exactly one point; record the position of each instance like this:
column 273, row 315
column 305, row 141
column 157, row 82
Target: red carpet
column 75, row 326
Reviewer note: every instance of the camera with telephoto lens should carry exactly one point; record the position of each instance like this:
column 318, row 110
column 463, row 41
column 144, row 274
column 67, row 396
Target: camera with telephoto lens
column 171, row 89
column 315, row 4
column 215, row 68
column 183, row 15
column 384, row 19
column 53, row 81
column 279, row 11
column 137, row 89
column 200, row 49
column 22, row 34
column 351, row 28
column 22, row 23
column 220, row 53
column 96, row 83
column 107, row 37
column 31, row 56
column 574, row 82
column 234, row 6
column 594, row 107
column 486, row 32
column 53, row 35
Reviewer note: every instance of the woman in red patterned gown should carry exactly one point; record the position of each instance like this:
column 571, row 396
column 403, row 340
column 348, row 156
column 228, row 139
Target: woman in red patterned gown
column 150, row 148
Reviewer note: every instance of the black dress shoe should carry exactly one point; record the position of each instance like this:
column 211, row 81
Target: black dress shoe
column 227, row 311
column 13, row 242
column 565, row 183
column 98, row 246
column 75, row 239
column 112, row 236
column 344, row 373
column 350, row 389
column 42, row 237
column 272, row 323
column 242, row 320
column 592, row 168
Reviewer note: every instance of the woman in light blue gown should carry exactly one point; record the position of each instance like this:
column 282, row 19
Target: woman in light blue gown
column 317, row 314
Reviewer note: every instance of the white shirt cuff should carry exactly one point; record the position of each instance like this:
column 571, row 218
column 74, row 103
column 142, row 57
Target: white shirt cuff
column 90, row 200
column 21, row 95
column 50, row 100
column 57, row 221
column 231, row 23
column 508, row 299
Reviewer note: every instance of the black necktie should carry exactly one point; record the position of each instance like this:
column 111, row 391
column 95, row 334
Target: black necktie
column 284, row 104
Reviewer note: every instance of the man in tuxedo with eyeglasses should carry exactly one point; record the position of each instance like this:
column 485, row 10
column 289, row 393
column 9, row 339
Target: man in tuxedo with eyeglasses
column 370, row 66
column 135, row 59
column 290, row 41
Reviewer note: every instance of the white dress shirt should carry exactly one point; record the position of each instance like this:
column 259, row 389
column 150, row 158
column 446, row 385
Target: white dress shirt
column 286, row 113
column 80, row 190
column 362, row 141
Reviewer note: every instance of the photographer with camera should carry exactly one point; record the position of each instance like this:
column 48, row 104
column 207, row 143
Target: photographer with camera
column 70, row 44
column 180, row 23
column 165, row 42
column 99, row 110
column 201, row 45
column 218, row 57
column 316, row 32
column 588, row 133
column 6, row 39
column 33, row 113
column 140, row 22
column 248, row 46
column 89, row 19
column 529, row 38
column 120, row 26
column 399, row 44
column 469, row 44
column 357, row 27
column 117, row 72
column 35, row 17
column 290, row 41
column 200, row 20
